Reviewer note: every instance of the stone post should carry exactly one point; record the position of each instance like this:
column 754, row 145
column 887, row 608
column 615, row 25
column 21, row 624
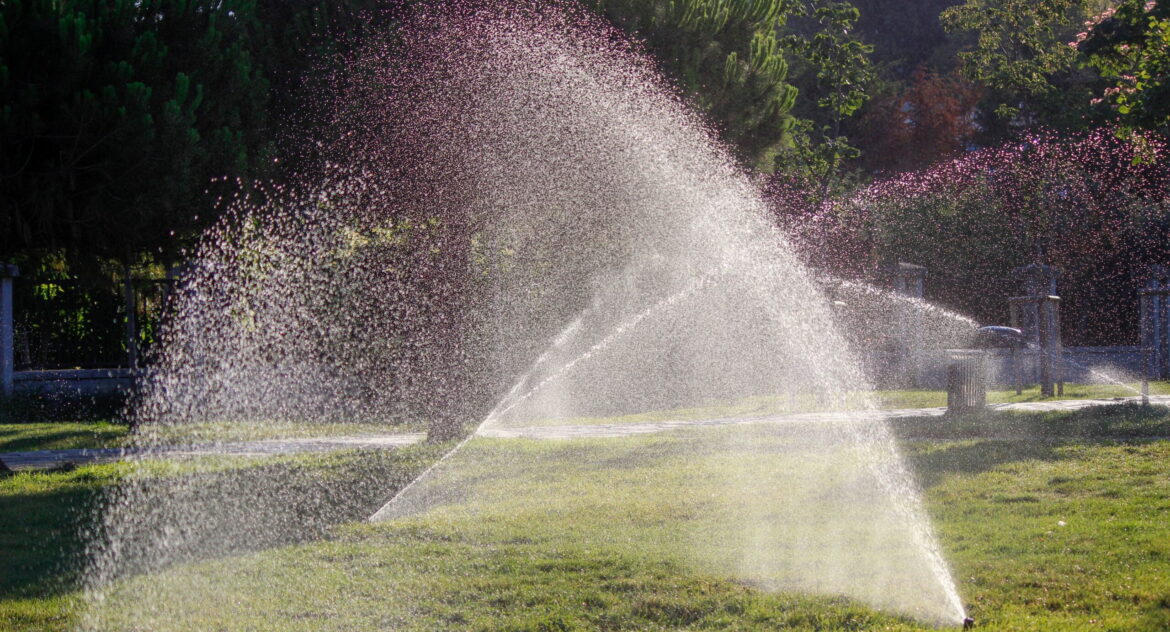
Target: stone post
column 909, row 280
column 7, row 347
column 1155, row 324
column 131, row 321
column 1037, row 314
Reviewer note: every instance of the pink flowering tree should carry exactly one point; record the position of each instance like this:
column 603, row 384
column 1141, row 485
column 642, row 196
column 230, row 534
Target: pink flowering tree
column 1130, row 44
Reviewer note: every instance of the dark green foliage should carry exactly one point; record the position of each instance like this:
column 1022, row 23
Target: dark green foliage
column 726, row 57
column 115, row 117
column 68, row 324
column 1021, row 51
column 300, row 44
column 832, row 73
column 1131, row 46
column 906, row 34
column 63, row 406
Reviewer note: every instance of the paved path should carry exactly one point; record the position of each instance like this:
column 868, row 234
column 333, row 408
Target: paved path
column 43, row 459
column 54, row 458
column 625, row 430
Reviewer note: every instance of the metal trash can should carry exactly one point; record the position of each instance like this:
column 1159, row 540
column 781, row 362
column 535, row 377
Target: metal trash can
column 966, row 381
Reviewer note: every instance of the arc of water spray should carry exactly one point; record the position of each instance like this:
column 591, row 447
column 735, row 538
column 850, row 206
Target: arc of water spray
column 386, row 511
column 617, row 332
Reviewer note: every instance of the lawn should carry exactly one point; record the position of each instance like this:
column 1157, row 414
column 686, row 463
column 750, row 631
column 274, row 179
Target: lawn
column 24, row 437
column 101, row 433
column 1049, row 521
column 883, row 399
column 255, row 502
column 931, row 398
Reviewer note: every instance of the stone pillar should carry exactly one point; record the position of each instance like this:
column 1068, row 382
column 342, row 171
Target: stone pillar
column 1155, row 324
column 1037, row 315
column 908, row 280
column 7, row 347
column 129, row 298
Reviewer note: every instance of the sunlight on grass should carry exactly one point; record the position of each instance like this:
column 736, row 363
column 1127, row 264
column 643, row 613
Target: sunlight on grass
column 1047, row 529
column 227, row 432
column 61, row 436
column 770, row 405
column 689, row 511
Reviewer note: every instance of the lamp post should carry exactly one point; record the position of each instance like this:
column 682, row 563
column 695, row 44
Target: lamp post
column 8, row 272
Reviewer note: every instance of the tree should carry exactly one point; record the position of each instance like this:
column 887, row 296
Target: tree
column 836, row 74
column 929, row 120
column 300, row 47
column 726, row 56
column 115, row 118
column 1130, row 45
column 1021, row 52
column 1077, row 201
column 906, row 35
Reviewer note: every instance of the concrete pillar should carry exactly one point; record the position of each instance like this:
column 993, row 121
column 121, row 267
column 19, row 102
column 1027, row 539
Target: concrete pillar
column 1155, row 324
column 131, row 321
column 1037, row 314
column 909, row 280
column 7, row 347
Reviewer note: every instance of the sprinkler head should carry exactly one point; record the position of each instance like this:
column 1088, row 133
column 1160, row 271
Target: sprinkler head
column 968, row 623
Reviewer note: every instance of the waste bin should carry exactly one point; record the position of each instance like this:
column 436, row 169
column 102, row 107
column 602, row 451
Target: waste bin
column 966, row 380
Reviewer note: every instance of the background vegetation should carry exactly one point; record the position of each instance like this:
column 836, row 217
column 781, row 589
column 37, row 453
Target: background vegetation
column 125, row 124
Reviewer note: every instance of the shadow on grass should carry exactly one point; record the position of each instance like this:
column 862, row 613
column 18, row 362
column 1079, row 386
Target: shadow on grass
column 40, row 527
column 989, row 439
column 39, row 436
column 169, row 513
column 969, row 458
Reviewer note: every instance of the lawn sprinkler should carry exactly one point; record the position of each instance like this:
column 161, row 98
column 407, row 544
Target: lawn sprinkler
column 968, row 623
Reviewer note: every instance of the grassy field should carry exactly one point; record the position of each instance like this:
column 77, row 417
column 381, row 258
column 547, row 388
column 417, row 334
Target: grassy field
column 18, row 435
column 931, row 398
column 882, row 399
column 23, row 437
column 274, row 501
column 1054, row 521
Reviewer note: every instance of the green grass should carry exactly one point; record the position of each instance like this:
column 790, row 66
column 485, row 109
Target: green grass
column 179, row 434
column 1113, row 421
column 765, row 405
column 19, row 437
column 43, row 513
column 40, row 516
column 61, row 436
column 1055, row 535
column 1050, row 521
column 895, row 399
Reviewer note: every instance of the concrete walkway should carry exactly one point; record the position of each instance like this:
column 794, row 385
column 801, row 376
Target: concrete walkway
column 45, row 459
column 601, row 431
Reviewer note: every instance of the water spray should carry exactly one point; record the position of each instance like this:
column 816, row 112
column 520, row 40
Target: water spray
column 510, row 401
column 559, row 156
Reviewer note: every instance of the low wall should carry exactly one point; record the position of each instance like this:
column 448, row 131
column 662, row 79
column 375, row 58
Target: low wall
column 73, row 382
column 1079, row 365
